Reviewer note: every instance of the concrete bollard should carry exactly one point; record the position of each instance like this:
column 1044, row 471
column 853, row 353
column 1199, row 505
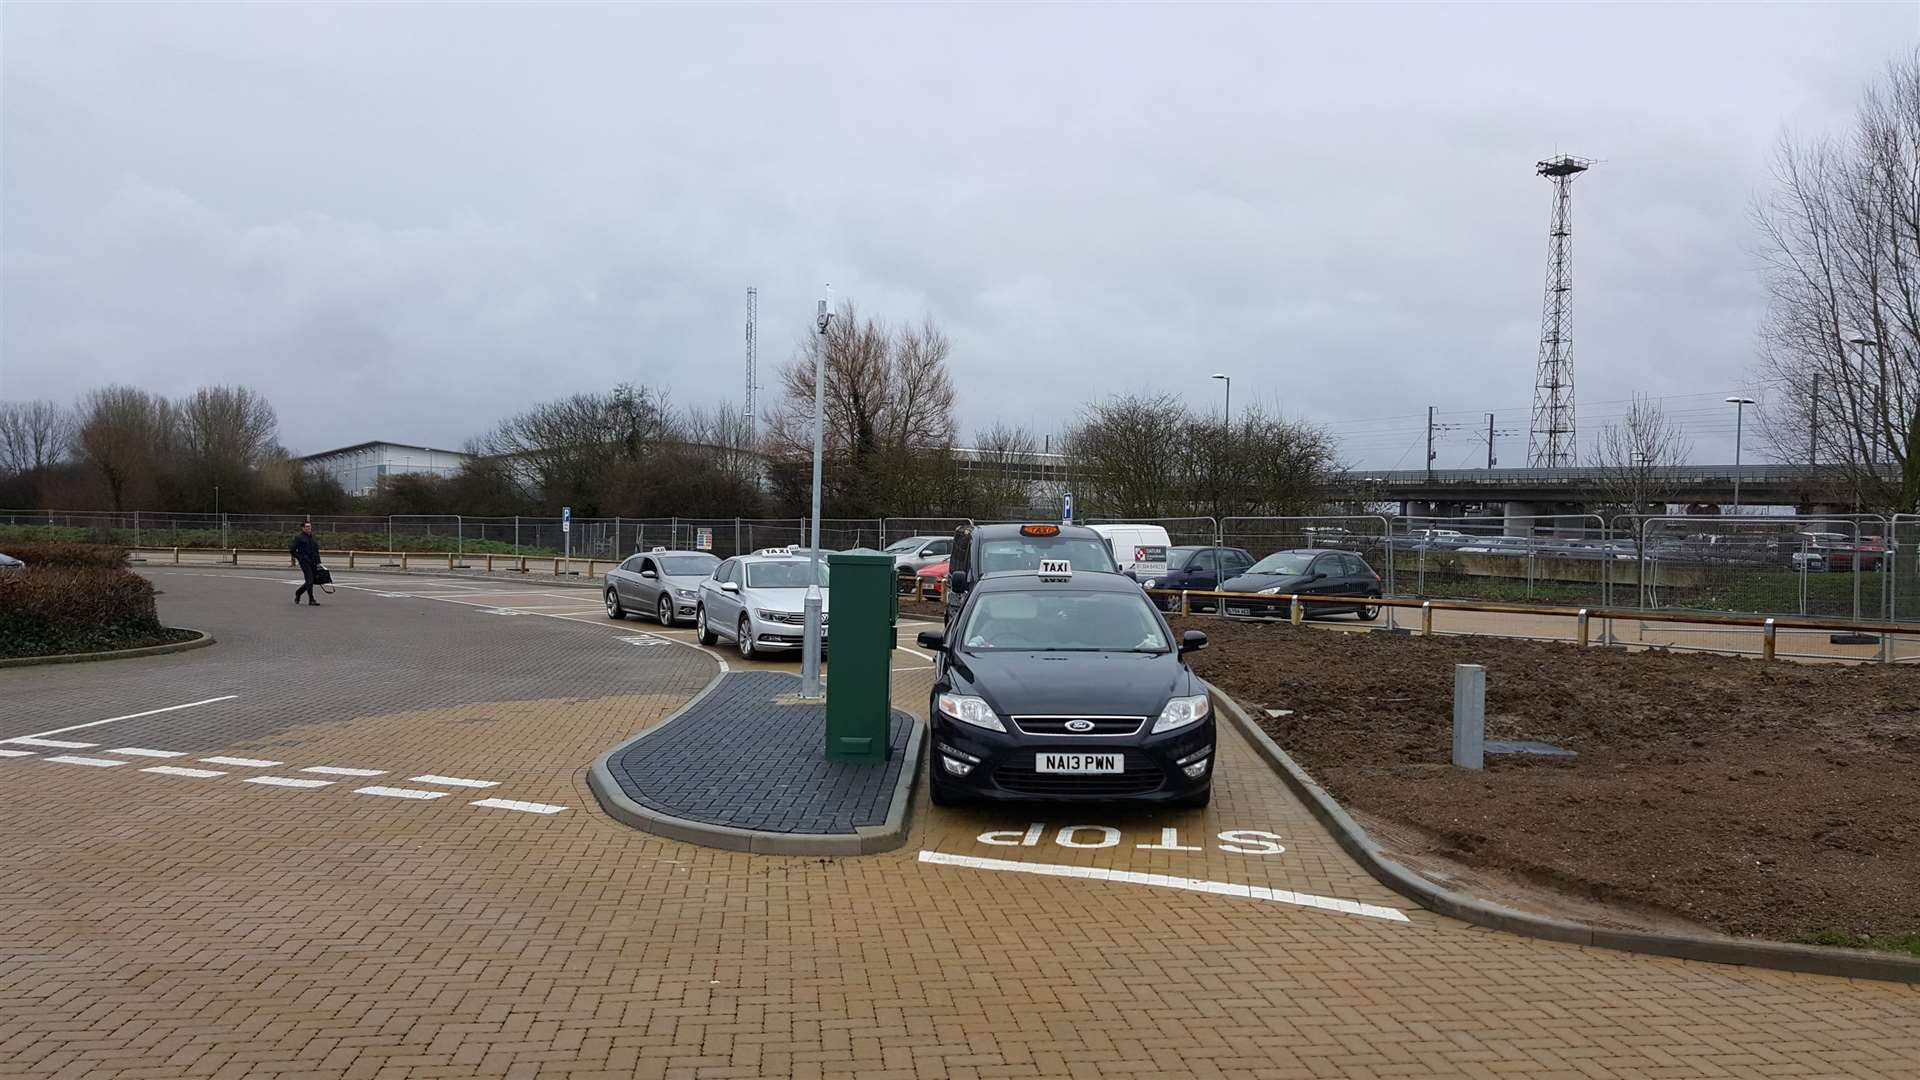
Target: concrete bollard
column 1580, row 629
column 1426, row 618
column 1469, row 715
column 350, row 555
column 1296, row 614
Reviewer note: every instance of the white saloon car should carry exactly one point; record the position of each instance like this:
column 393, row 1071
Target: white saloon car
column 758, row 603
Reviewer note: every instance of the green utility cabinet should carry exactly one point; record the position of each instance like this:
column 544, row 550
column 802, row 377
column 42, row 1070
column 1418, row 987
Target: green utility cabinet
column 859, row 678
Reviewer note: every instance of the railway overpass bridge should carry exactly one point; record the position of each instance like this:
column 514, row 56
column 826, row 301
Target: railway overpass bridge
column 1528, row 492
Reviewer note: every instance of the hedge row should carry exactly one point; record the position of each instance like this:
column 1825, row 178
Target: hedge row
column 67, row 609
column 255, row 539
column 59, row 553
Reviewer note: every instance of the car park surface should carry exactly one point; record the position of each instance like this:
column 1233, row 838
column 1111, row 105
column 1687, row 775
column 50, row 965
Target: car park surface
column 170, row 925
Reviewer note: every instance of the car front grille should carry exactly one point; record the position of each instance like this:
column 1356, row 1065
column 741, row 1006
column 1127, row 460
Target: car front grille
column 793, row 618
column 1057, row 725
column 1141, row 777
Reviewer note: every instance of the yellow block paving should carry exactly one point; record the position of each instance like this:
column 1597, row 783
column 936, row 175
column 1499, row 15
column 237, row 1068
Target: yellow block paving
column 162, row 926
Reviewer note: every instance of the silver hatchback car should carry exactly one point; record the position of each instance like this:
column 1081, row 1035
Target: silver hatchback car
column 664, row 584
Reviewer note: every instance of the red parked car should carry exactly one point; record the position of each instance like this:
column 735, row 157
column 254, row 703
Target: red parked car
column 931, row 580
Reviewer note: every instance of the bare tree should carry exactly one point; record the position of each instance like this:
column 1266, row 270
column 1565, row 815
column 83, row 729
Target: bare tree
column 888, row 414
column 566, row 450
column 1841, row 239
column 1641, row 456
column 223, row 437
column 1002, row 469
column 125, row 435
column 1126, row 453
column 34, row 435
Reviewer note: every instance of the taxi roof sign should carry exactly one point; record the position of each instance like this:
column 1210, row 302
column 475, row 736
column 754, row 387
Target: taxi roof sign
column 1056, row 570
column 1039, row 530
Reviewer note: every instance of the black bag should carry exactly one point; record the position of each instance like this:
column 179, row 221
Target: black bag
column 323, row 578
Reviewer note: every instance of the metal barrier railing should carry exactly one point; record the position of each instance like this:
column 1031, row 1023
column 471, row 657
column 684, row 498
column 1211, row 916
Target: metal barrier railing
column 1298, row 606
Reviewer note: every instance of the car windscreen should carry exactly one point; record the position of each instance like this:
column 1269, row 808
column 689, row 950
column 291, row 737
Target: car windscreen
column 782, row 575
column 1048, row 621
column 1282, row 562
column 1025, row 553
column 689, row 565
column 1178, row 558
column 908, row 544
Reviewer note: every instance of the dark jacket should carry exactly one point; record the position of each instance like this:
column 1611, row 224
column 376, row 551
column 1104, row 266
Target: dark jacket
column 306, row 550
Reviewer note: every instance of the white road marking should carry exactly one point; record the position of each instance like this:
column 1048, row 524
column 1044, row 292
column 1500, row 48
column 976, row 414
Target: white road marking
column 57, row 744
column 136, row 751
column 16, row 753
column 1169, row 881
column 335, row 770
column 96, row 762
column 285, row 781
column 515, row 804
column 452, row 781
column 243, row 762
column 400, row 793
column 129, row 716
column 175, row 770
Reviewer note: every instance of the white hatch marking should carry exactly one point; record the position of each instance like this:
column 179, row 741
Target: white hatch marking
column 400, row 793
column 1169, row 881
column 524, row 807
column 335, row 770
column 129, row 716
column 453, row 781
column 242, row 762
column 55, row 744
column 175, row 770
column 16, row 753
column 96, row 762
column 139, row 751
column 286, row 781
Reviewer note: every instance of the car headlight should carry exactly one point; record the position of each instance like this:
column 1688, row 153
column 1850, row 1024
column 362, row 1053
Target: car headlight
column 1180, row 712
column 684, row 594
column 1150, row 583
column 1275, row 591
column 970, row 710
column 774, row 616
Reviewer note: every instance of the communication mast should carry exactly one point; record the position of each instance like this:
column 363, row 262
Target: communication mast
column 753, row 375
column 1551, row 443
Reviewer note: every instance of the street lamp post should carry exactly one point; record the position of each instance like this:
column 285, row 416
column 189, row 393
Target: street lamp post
column 810, row 646
column 1229, row 381
column 1739, row 416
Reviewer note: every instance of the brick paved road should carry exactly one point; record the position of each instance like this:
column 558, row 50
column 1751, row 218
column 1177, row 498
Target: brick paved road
column 163, row 925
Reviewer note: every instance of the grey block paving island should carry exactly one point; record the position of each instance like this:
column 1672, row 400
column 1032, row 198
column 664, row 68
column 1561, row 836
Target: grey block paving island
column 743, row 766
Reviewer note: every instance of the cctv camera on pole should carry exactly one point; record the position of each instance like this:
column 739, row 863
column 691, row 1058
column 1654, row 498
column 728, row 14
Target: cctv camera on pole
column 810, row 645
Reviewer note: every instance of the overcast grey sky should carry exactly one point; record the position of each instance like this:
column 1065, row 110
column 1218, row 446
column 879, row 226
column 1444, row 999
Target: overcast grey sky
column 402, row 222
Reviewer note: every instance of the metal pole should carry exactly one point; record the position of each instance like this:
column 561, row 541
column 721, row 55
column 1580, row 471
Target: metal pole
column 810, row 656
column 1739, row 416
column 1469, row 715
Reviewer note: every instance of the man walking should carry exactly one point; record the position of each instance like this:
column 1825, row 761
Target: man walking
column 306, row 552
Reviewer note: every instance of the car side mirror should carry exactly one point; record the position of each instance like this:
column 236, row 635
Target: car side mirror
column 958, row 580
column 1130, row 575
column 648, row 574
column 1316, row 577
column 1192, row 640
column 932, row 639
column 730, row 586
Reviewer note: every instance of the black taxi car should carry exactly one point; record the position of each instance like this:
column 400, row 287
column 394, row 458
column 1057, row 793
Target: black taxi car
column 1069, row 686
column 980, row 550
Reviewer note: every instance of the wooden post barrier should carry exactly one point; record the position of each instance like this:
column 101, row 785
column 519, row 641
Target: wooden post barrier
column 1766, row 641
column 1580, row 628
column 1426, row 618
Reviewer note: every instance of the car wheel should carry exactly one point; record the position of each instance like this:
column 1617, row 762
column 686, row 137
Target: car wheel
column 707, row 636
column 614, row 610
column 745, row 639
column 665, row 611
column 1369, row 612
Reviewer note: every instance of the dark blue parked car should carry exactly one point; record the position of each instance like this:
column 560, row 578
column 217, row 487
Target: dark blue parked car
column 1201, row 569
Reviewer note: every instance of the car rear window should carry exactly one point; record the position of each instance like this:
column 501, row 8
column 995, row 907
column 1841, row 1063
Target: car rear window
column 689, row 565
column 1025, row 553
column 781, row 575
column 1046, row 621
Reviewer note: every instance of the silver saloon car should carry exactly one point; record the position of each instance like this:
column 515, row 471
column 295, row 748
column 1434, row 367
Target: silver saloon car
column 758, row 603
column 663, row 584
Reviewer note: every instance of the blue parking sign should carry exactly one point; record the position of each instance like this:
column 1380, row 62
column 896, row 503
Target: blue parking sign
column 1066, row 509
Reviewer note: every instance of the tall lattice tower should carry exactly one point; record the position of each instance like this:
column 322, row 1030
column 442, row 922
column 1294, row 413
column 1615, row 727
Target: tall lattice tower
column 1551, row 444
column 753, row 374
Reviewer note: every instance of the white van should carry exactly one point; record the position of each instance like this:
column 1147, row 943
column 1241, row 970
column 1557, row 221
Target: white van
column 1141, row 549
